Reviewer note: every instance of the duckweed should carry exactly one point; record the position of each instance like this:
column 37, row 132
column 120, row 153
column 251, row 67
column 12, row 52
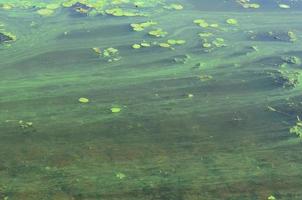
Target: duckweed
column 136, row 46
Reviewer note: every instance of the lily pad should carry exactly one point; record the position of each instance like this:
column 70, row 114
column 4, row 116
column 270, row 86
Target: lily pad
column 232, row 21
column 115, row 109
column 83, row 100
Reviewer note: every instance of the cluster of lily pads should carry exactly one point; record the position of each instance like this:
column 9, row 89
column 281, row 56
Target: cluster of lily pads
column 110, row 54
column 142, row 26
column 127, row 8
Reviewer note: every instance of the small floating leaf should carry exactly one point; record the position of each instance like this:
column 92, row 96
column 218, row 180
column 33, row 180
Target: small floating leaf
column 83, row 100
column 115, row 109
column 232, row 21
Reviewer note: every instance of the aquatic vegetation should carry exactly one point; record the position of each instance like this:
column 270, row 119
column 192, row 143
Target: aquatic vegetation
column 143, row 25
column 45, row 12
column 136, row 46
column 292, row 36
column 190, row 95
column 83, row 100
column 176, row 42
column 164, row 45
column 158, row 33
column 204, row 78
column 287, row 79
column 118, row 12
column 297, row 129
column 97, row 50
column 284, row 6
column 232, row 21
column 7, row 37
column 115, row 109
column 219, row 42
column 120, row 175
column 182, row 59
column 174, row 6
column 247, row 4
column 111, row 54
column 205, row 34
column 145, row 44
column 271, row 197
column 201, row 22
column 206, row 45
column 294, row 60
column 24, row 124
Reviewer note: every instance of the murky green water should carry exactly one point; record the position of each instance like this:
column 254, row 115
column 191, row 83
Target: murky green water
column 92, row 109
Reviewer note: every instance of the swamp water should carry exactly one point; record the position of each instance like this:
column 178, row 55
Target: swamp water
column 150, row 100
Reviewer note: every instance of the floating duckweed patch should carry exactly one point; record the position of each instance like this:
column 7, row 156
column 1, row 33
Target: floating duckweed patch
column 115, row 109
column 7, row 37
column 45, row 12
column 201, row 22
column 297, row 129
column 83, row 100
column 232, row 21
column 158, row 33
column 219, row 42
column 143, row 25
